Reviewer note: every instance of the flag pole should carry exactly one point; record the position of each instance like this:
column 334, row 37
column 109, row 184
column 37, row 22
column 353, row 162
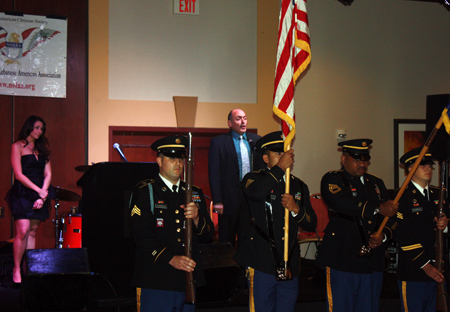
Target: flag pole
column 444, row 119
column 286, row 219
column 293, row 57
column 413, row 170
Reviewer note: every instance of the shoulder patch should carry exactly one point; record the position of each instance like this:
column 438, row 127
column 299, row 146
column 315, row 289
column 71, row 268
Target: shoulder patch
column 295, row 178
column 373, row 175
column 435, row 187
column 144, row 183
column 249, row 181
column 334, row 188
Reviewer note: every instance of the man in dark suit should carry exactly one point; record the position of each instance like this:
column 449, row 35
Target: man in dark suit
column 158, row 213
column 231, row 156
column 415, row 235
column 357, row 201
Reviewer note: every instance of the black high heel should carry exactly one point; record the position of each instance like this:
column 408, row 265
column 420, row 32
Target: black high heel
column 17, row 284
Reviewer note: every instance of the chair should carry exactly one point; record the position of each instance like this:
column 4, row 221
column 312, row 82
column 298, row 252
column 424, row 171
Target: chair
column 215, row 219
column 321, row 210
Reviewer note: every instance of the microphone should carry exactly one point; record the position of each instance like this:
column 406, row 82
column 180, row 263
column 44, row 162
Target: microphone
column 117, row 147
column 252, row 145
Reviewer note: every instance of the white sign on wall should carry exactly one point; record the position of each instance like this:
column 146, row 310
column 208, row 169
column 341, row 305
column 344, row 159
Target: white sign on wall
column 33, row 55
column 157, row 54
column 186, row 7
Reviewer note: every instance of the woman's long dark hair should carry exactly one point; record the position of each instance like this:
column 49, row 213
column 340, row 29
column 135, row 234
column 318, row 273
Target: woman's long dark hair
column 41, row 144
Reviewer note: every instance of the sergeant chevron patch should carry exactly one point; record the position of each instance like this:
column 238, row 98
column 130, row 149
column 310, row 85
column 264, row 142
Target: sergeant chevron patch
column 135, row 210
column 334, row 188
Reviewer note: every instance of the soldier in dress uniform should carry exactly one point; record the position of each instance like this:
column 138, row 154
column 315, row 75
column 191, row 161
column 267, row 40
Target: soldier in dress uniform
column 415, row 235
column 262, row 215
column 157, row 221
column 355, row 199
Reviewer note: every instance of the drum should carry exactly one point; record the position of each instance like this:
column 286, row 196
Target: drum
column 72, row 230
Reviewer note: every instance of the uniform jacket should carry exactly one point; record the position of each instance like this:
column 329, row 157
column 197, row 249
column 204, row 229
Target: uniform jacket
column 416, row 232
column 159, row 235
column 268, row 186
column 223, row 169
column 346, row 195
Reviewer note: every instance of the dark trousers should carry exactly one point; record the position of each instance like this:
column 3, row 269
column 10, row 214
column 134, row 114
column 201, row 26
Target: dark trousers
column 228, row 229
column 154, row 300
column 353, row 291
column 269, row 295
column 417, row 296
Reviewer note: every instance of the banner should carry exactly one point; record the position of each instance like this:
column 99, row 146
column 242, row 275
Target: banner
column 33, row 55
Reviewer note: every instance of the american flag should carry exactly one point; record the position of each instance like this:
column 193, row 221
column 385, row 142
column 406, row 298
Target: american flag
column 3, row 34
column 293, row 56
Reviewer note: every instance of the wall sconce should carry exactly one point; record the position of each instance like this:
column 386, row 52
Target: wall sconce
column 346, row 2
column 341, row 135
column 445, row 3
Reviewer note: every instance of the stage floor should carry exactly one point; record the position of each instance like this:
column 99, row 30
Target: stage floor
column 102, row 298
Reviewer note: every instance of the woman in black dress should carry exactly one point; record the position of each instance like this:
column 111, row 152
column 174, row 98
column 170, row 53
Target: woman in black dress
column 28, row 196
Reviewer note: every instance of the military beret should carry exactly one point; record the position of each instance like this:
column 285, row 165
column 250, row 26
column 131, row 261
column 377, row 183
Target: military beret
column 172, row 146
column 272, row 142
column 357, row 148
column 410, row 157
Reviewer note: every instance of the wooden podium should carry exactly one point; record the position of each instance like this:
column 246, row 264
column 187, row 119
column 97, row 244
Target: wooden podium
column 106, row 189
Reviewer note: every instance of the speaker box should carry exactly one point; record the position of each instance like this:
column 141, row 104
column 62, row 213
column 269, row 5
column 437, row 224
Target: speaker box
column 55, row 280
column 222, row 274
column 440, row 147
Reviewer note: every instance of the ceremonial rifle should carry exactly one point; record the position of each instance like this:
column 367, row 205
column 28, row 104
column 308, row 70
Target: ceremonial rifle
column 190, row 289
column 441, row 295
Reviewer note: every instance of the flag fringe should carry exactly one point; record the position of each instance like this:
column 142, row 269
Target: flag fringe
column 446, row 119
column 304, row 46
column 291, row 122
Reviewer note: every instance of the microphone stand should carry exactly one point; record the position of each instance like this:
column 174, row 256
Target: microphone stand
column 58, row 237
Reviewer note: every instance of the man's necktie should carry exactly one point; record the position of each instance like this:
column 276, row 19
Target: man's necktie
column 174, row 188
column 425, row 193
column 245, row 158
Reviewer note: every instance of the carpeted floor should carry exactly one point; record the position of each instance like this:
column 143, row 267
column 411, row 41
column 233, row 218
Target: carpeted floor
column 102, row 297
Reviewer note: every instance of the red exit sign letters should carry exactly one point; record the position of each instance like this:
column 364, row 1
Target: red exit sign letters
column 191, row 7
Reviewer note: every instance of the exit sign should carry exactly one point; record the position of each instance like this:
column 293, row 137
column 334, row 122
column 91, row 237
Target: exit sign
column 191, row 7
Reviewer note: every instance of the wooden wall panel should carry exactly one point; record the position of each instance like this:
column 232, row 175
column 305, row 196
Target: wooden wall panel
column 135, row 143
column 6, row 5
column 6, row 104
column 66, row 118
column 5, row 168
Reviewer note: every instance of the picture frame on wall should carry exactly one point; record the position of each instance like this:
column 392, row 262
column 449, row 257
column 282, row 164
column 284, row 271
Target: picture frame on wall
column 408, row 134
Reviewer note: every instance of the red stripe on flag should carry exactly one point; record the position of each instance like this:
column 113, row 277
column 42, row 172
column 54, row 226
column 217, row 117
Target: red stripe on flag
column 287, row 97
column 281, row 67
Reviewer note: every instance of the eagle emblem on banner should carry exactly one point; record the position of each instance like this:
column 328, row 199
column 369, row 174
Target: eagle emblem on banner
column 15, row 46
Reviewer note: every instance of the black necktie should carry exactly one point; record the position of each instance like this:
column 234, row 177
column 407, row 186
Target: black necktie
column 425, row 193
column 174, row 188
